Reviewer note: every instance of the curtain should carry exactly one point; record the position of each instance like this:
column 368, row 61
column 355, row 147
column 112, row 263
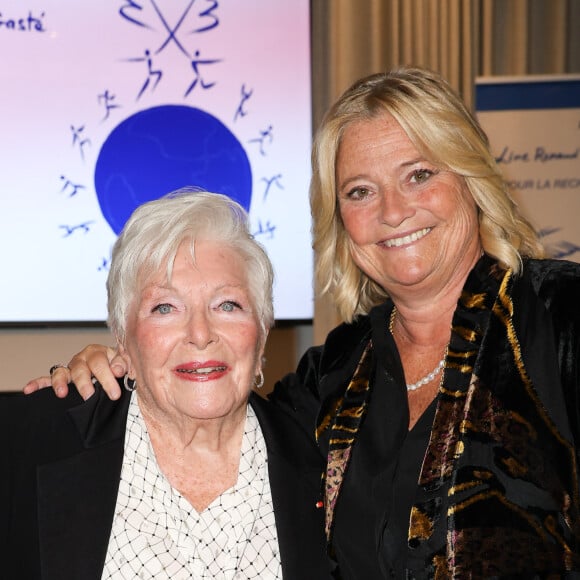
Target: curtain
column 461, row 39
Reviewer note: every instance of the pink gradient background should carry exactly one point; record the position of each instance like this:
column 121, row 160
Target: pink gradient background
column 52, row 80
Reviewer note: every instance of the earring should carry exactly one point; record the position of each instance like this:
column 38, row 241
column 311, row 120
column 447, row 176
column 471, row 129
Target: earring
column 260, row 382
column 130, row 384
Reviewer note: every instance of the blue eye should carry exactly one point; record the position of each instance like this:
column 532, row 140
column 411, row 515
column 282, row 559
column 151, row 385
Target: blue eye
column 229, row 306
column 163, row 308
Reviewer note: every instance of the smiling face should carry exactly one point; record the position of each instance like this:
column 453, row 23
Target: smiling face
column 410, row 224
column 195, row 343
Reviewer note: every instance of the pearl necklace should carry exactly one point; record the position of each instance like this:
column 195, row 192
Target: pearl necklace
column 429, row 376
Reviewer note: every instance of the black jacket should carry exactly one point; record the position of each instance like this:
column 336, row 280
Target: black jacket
column 60, row 463
column 498, row 493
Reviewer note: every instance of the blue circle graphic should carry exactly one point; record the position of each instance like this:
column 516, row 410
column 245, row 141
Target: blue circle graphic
column 163, row 148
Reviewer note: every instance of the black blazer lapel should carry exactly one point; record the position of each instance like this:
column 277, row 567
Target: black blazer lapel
column 295, row 468
column 77, row 493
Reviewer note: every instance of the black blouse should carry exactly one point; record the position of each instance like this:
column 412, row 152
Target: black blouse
column 393, row 548
column 386, row 497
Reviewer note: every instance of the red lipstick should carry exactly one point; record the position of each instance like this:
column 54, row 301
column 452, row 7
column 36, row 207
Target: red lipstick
column 201, row 371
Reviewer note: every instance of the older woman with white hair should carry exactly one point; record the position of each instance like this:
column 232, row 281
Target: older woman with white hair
column 189, row 474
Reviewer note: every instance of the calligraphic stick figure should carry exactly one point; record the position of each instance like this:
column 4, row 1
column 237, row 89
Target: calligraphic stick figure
column 151, row 72
column 268, row 230
column 195, row 63
column 272, row 180
column 107, row 99
column 69, row 230
column 69, row 184
column 77, row 138
column 267, row 134
column 240, row 112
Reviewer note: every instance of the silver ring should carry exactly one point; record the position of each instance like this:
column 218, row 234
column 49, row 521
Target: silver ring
column 57, row 366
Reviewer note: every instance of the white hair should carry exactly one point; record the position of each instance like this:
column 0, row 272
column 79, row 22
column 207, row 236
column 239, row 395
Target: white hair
column 153, row 234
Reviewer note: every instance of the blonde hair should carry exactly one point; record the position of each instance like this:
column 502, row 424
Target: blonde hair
column 152, row 236
column 448, row 135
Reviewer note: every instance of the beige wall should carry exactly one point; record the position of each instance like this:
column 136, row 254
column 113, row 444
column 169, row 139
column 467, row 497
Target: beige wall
column 26, row 353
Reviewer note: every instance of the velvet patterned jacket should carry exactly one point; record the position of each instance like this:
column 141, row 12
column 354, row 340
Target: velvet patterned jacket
column 60, row 465
column 497, row 494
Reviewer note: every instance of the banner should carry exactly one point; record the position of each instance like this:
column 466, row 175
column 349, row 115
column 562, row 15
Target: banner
column 534, row 128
